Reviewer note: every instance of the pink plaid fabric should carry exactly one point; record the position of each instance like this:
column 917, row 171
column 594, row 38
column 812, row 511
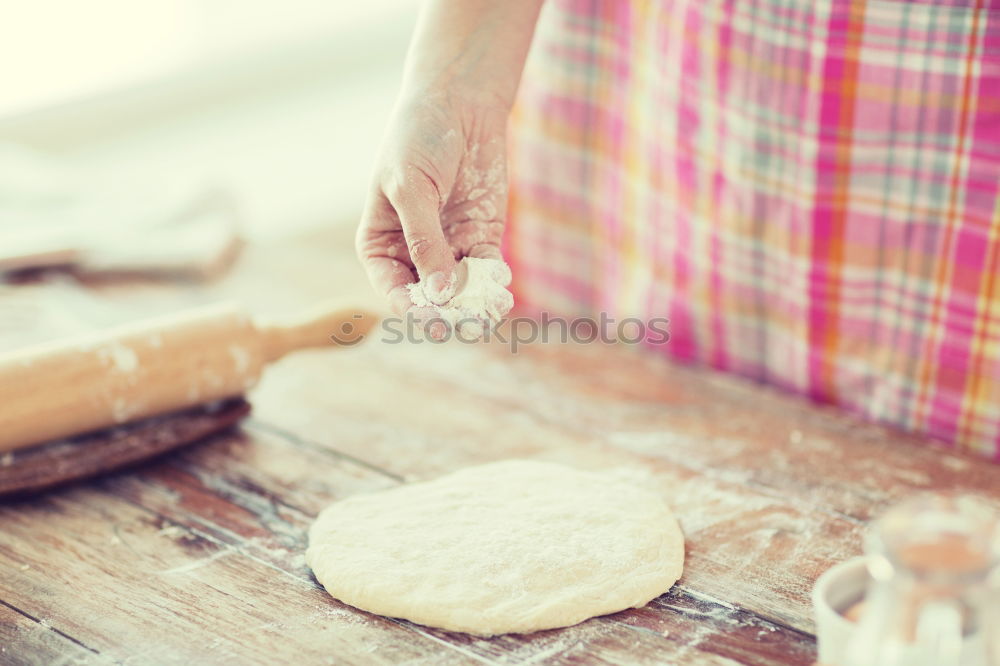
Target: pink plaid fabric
column 807, row 189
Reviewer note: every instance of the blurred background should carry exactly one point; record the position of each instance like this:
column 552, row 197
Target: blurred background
column 279, row 104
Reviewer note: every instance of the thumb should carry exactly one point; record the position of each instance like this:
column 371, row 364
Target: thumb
column 416, row 200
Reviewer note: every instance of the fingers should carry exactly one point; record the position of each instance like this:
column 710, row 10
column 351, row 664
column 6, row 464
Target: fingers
column 486, row 251
column 417, row 203
column 382, row 252
column 401, row 239
column 392, row 277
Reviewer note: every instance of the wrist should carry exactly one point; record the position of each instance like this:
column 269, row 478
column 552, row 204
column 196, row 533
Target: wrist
column 468, row 103
column 467, row 90
column 472, row 49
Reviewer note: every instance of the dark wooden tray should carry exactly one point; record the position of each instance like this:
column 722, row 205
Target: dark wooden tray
column 45, row 466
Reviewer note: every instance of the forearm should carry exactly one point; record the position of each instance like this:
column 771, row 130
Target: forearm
column 474, row 48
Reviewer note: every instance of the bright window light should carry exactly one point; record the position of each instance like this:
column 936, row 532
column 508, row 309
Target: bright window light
column 53, row 51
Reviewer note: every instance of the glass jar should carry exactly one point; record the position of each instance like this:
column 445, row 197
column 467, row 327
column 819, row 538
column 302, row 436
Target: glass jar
column 932, row 597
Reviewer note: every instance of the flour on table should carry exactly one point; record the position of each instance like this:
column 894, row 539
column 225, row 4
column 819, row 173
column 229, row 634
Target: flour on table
column 515, row 546
column 477, row 299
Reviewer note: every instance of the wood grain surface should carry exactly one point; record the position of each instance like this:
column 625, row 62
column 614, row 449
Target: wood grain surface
column 197, row 557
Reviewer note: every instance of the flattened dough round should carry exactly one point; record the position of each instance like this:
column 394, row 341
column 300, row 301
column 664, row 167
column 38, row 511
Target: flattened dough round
column 514, row 546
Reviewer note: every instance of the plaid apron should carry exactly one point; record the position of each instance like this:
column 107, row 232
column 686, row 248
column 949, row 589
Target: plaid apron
column 807, row 189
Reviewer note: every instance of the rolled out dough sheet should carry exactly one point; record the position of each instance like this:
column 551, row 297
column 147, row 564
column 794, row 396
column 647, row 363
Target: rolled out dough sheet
column 508, row 547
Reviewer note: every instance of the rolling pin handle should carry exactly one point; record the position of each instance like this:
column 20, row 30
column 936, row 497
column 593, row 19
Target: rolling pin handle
column 322, row 327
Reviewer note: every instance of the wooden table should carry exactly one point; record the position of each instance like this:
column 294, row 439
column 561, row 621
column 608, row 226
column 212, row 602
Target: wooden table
column 198, row 557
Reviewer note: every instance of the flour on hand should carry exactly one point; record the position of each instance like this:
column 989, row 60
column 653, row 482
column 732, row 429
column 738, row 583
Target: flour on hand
column 477, row 299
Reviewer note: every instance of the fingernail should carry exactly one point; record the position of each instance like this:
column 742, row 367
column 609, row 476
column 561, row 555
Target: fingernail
column 437, row 282
column 440, row 288
column 438, row 330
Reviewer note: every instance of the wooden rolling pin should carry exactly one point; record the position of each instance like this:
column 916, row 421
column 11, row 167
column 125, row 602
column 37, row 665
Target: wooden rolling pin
column 66, row 388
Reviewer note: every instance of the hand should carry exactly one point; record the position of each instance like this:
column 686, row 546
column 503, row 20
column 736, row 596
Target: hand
column 439, row 193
